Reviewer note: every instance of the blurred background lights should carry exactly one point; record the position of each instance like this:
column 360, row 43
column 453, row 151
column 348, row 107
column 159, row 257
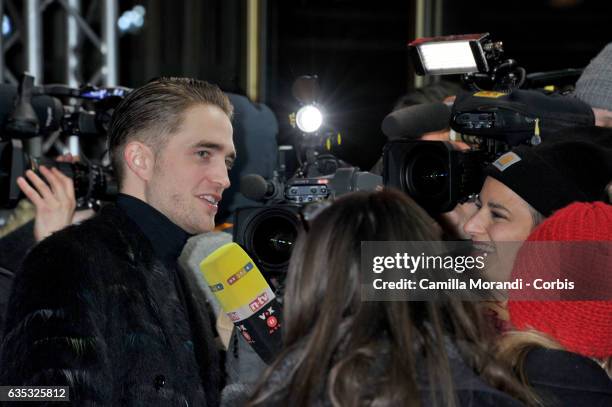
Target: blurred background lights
column 7, row 25
column 132, row 21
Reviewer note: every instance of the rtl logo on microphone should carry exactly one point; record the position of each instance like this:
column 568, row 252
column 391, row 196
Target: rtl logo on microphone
column 240, row 273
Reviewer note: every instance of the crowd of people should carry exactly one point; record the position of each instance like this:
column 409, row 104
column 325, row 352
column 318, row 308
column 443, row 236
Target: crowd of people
column 100, row 303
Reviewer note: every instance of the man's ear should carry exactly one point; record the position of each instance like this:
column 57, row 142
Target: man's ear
column 139, row 159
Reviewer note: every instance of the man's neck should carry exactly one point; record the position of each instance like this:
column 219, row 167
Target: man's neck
column 167, row 239
column 135, row 191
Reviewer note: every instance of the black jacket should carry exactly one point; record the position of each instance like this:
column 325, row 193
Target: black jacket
column 94, row 309
column 13, row 249
column 15, row 246
column 566, row 379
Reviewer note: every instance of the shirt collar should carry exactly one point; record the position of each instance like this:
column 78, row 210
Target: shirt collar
column 167, row 238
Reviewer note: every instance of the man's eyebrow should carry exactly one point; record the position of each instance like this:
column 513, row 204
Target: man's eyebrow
column 213, row 146
column 495, row 205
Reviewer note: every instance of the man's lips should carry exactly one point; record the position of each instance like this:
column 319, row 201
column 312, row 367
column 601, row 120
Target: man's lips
column 211, row 199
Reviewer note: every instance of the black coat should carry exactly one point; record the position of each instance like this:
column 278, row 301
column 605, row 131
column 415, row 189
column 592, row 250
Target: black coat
column 93, row 309
column 13, row 249
column 566, row 379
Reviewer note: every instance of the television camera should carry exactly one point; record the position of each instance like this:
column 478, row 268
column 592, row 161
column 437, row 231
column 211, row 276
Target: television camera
column 268, row 232
column 28, row 111
column 505, row 107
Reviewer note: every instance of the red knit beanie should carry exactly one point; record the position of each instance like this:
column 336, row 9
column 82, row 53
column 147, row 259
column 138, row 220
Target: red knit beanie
column 583, row 327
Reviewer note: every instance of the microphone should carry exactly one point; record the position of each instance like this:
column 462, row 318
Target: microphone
column 48, row 109
column 246, row 298
column 257, row 188
column 413, row 121
column 200, row 247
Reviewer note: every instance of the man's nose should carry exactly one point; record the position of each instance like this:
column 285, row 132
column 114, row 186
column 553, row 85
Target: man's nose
column 220, row 176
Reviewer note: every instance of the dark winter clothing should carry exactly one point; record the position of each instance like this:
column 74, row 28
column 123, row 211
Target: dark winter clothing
column 567, row 379
column 103, row 308
column 470, row 389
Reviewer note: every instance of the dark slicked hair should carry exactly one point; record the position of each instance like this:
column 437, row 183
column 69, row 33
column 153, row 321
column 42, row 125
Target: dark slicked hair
column 154, row 111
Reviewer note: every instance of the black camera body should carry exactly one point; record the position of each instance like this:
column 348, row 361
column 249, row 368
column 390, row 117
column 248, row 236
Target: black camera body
column 91, row 182
column 438, row 176
column 305, row 190
column 29, row 111
column 517, row 117
column 268, row 232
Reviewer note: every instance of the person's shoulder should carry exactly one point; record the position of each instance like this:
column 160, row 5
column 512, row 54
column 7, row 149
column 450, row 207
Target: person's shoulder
column 74, row 250
column 567, row 378
column 561, row 368
column 97, row 231
column 486, row 398
column 471, row 389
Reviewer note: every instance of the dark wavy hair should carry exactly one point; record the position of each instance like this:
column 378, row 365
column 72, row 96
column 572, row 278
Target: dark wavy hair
column 340, row 340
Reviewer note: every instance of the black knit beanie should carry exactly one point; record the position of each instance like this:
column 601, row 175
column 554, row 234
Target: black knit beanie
column 573, row 165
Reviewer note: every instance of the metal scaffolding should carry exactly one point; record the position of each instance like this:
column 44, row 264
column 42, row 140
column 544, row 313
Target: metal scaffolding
column 29, row 28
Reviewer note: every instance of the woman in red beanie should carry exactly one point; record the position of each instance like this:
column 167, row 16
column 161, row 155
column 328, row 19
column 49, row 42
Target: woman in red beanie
column 563, row 349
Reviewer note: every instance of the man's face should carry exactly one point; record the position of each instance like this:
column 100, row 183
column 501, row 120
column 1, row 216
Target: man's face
column 502, row 215
column 191, row 170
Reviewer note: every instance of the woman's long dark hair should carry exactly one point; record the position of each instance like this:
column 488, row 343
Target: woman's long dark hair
column 337, row 342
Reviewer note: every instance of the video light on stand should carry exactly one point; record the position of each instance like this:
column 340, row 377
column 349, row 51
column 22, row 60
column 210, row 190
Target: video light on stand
column 309, row 118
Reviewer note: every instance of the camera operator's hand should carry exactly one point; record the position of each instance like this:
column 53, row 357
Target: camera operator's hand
column 452, row 222
column 54, row 201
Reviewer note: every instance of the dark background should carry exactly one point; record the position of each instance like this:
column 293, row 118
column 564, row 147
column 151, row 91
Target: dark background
column 356, row 47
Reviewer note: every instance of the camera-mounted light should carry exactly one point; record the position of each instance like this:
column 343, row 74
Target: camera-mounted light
column 476, row 56
column 309, row 119
column 454, row 54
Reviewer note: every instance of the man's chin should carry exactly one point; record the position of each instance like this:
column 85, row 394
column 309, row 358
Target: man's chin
column 205, row 227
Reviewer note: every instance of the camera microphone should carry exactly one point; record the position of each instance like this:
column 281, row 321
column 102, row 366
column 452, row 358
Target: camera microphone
column 48, row 109
column 257, row 188
column 413, row 121
column 246, row 298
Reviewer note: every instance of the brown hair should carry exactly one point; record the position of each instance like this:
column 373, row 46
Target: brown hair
column 340, row 340
column 155, row 110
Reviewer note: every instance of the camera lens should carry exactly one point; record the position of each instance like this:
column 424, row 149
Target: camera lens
column 426, row 174
column 271, row 236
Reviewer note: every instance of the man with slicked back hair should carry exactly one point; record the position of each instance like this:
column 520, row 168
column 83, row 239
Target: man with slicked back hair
column 103, row 307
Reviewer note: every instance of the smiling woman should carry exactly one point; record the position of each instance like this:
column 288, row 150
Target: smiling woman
column 528, row 184
column 503, row 216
